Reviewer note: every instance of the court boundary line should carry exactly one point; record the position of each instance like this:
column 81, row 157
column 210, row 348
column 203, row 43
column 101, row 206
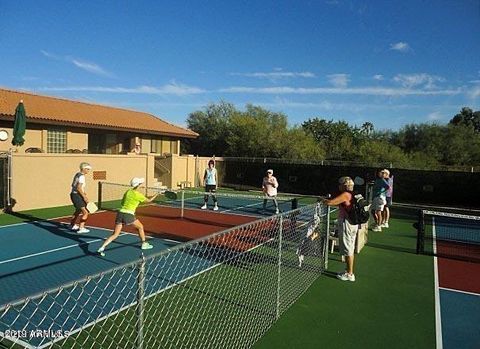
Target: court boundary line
column 123, row 233
column 438, row 314
column 460, row 291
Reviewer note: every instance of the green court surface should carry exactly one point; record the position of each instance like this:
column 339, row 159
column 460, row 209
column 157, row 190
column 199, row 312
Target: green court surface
column 391, row 304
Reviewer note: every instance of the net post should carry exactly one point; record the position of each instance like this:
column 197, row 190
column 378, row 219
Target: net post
column 99, row 200
column 140, row 302
column 182, row 203
column 421, row 232
column 280, row 238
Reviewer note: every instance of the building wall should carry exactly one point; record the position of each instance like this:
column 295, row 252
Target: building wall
column 77, row 138
column 33, row 138
column 44, row 180
column 41, row 180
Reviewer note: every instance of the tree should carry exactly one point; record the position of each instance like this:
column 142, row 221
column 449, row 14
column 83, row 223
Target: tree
column 339, row 139
column 212, row 125
column 367, row 128
column 467, row 117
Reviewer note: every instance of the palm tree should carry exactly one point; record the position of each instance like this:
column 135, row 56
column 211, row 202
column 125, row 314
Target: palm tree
column 367, row 128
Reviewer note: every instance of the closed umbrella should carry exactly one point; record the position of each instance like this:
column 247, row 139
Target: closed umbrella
column 19, row 125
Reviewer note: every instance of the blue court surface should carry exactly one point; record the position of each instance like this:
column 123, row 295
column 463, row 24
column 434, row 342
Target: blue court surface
column 39, row 256
column 460, row 319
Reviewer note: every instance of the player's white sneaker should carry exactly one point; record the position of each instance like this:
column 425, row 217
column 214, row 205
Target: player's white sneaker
column 101, row 251
column 74, row 227
column 83, row 231
column 384, row 225
column 215, row 208
column 146, row 246
column 277, row 211
column 377, row 228
column 346, row 276
column 204, row 207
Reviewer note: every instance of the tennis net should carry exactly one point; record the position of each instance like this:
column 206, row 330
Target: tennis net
column 449, row 235
column 110, row 196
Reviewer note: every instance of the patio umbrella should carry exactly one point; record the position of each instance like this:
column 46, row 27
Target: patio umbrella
column 19, row 125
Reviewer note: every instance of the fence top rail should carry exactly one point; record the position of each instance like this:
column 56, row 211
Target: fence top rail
column 161, row 253
column 451, row 215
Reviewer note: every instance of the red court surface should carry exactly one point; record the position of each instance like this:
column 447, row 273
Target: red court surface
column 459, row 275
column 460, row 272
column 165, row 222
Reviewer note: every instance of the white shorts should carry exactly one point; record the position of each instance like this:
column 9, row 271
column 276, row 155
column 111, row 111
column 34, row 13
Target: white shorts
column 378, row 203
column 347, row 233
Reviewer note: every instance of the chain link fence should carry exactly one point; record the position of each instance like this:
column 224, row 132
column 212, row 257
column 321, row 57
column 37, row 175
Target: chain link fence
column 221, row 291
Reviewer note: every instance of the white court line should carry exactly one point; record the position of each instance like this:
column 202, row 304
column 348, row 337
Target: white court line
column 50, row 251
column 76, row 245
column 438, row 314
column 460, row 291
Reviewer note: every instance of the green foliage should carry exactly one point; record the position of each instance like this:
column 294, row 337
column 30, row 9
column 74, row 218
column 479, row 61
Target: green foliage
column 258, row 132
column 467, row 117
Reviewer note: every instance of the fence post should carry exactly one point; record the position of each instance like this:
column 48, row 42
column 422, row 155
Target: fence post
column 140, row 299
column 182, row 198
column 99, row 199
column 327, row 239
column 421, row 232
column 280, row 238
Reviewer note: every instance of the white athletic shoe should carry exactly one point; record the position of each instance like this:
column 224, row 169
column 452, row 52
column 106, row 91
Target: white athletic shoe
column 204, row 207
column 346, row 276
column 146, row 246
column 74, row 227
column 215, row 208
column 377, row 228
column 101, row 251
column 83, row 231
column 277, row 211
column 384, row 225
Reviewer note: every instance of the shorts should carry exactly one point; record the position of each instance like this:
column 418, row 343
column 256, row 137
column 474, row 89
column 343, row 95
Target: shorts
column 389, row 201
column 210, row 188
column 125, row 218
column 347, row 234
column 77, row 201
column 378, row 203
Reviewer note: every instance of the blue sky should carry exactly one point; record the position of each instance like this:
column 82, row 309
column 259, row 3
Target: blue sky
column 387, row 62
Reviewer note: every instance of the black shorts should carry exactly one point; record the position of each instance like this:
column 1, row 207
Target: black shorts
column 77, row 201
column 125, row 218
column 210, row 188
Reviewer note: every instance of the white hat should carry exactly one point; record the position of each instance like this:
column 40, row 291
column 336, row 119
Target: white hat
column 270, row 171
column 84, row 165
column 136, row 181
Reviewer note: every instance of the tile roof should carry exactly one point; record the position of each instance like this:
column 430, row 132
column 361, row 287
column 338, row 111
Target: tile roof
column 53, row 110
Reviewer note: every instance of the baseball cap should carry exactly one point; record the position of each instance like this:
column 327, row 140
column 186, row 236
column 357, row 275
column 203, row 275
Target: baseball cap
column 136, row 181
column 270, row 171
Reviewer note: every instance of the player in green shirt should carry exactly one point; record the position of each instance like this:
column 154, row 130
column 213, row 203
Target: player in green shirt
column 126, row 215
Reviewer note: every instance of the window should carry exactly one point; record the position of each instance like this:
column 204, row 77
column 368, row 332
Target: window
column 162, row 145
column 56, row 141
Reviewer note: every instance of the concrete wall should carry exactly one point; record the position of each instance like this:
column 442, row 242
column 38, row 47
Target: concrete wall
column 43, row 180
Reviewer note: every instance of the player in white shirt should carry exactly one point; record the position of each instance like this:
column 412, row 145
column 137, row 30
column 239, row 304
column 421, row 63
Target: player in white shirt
column 79, row 199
